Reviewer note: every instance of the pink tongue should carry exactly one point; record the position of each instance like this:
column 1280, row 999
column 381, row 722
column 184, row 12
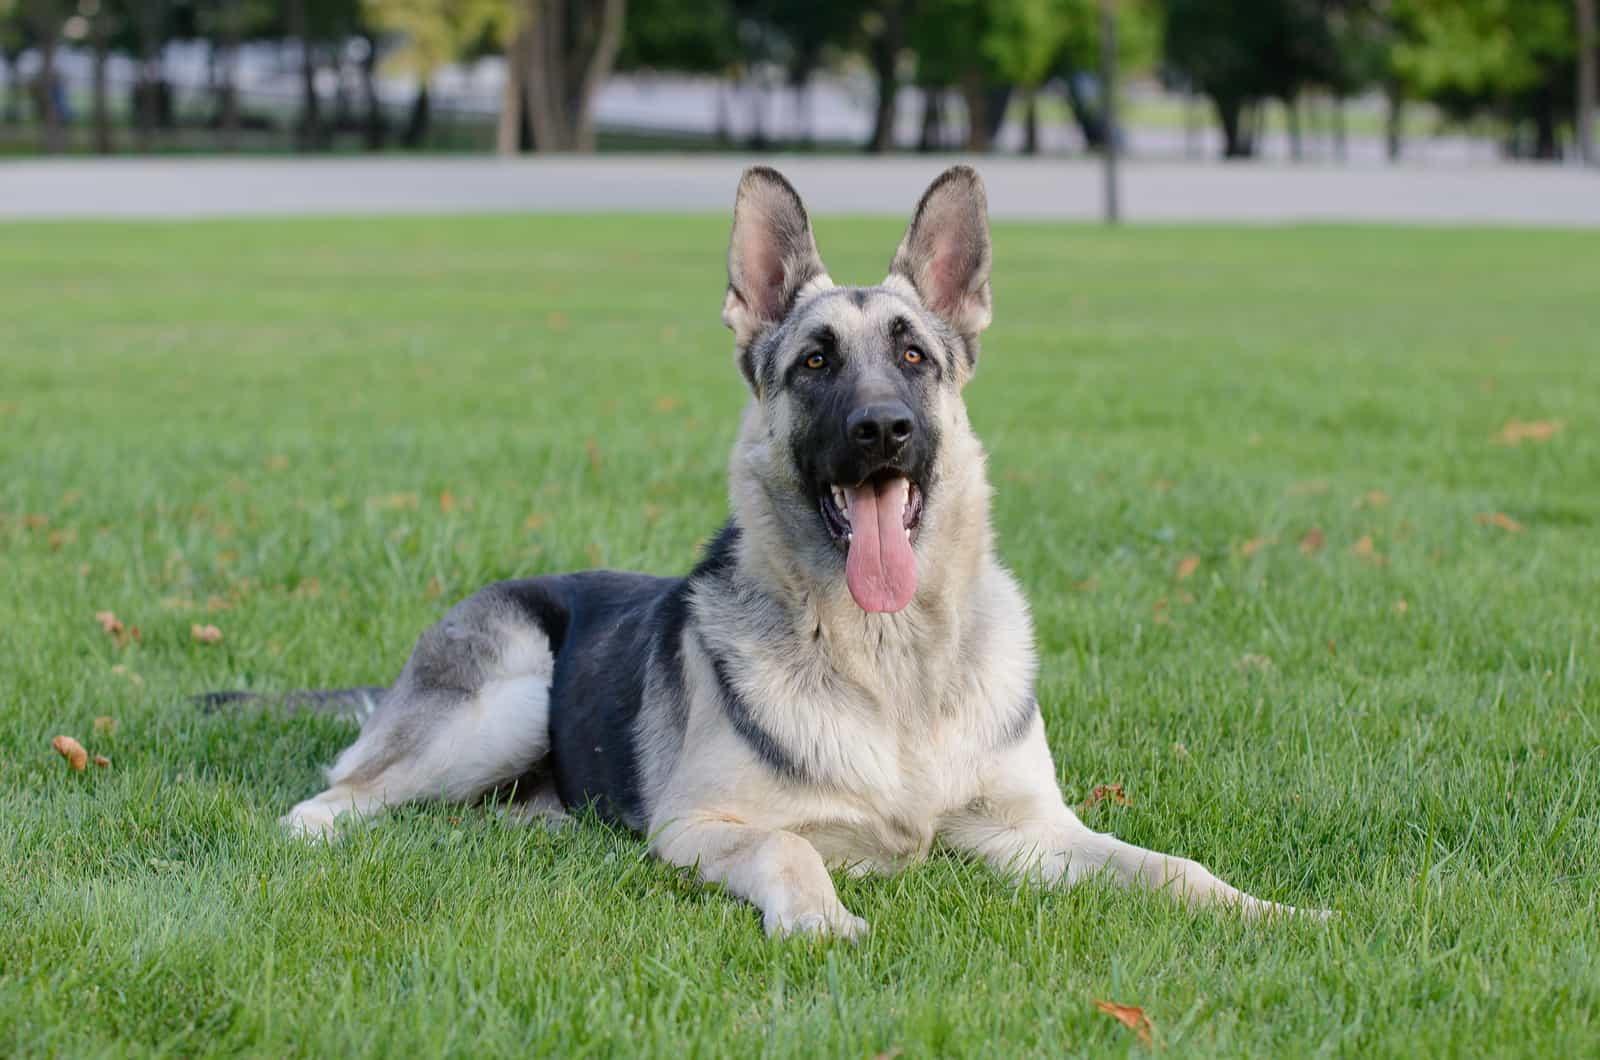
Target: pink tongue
column 880, row 569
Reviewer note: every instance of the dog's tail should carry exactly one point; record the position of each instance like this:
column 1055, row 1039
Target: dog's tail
column 348, row 704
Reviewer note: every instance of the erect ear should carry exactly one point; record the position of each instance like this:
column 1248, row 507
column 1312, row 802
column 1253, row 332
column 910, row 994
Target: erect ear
column 945, row 254
column 771, row 257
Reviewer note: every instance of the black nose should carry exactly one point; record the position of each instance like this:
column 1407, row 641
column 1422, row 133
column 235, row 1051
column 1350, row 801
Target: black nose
column 880, row 430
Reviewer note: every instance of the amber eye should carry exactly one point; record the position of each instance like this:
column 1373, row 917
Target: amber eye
column 815, row 361
column 913, row 355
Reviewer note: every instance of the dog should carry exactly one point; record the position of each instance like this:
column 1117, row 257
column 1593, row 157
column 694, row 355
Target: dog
column 845, row 678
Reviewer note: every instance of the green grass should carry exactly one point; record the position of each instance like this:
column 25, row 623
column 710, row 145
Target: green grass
column 316, row 434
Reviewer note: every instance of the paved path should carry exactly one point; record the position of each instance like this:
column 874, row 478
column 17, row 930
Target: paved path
column 1018, row 188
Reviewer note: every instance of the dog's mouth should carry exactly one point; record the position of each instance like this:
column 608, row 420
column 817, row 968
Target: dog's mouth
column 876, row 523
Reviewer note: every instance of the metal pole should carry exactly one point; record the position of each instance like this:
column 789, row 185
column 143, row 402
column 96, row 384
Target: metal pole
column 1108, row 88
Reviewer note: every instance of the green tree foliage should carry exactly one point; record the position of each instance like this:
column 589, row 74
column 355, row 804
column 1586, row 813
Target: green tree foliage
column 1513, row 58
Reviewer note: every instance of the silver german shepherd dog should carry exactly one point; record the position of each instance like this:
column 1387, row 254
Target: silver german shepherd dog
column 848, row 674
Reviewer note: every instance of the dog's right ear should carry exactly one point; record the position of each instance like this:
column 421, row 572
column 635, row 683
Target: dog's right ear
column 771, row 258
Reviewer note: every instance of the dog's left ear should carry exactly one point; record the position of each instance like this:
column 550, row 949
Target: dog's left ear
column 945, row 254
column 771, row 257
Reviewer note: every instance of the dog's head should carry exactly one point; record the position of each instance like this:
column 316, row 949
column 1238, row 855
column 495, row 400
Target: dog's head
column 857, row 389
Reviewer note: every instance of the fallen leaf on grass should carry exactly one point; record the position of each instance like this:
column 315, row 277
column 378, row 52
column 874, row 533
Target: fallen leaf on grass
column 118, row 632
column 1104, row 792
column 105, row 725
column 666, row 403
column 447, row 502
column 1515, row 432
column 277, row 462
column 1162, row 485
column 72, row 751
column 1256, row 544
column 1401, row 607
column 1365, row 549
column 1501, row 520
column 1372, row 499
column 207, row 634
column 102, row 761
column 1255, row 662
column 1308, row 488
column 888, row 1054
column 1313, row 540
column 1129, row 1016
column 1187, row 566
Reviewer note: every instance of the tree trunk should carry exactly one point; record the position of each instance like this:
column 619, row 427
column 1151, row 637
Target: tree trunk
column 571, row 50
column 47, row 28
column 148, row 85
column 1091, row 122
column 1235, row 136
column 886, row 48
column 1588, row 81
column 416, row 131
column 1191, row 125
column 100, row 106
column 1544, row 123
column 1393, row 122
column 375, row 130
column 227, row 58
column 309, row 127
column 1291, row 120
column 931, row 137
column 1030, row 122
column 975, row 91
column 1341, row 137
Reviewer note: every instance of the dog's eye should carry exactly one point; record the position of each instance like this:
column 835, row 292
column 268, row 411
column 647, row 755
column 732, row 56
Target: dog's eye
column 816, row 361
column 912, row 355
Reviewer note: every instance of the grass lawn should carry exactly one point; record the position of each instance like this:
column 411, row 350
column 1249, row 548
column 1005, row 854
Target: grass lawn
column 1375, row 689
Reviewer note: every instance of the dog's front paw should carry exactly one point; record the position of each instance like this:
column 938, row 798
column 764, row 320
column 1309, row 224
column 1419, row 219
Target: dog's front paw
column 311, row 820
column 837, row 922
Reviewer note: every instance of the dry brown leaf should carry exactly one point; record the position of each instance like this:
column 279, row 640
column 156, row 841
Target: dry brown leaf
column 206, row 634
column 105, row 725
column 435, row 589
column 666, row 403
column 109, row 622
column 891, row 1053
column 447, row 502
column 1313, row 540
column 1162, row 485
column 1187, row 566
column 1103, row 792
column 1401, row 607
column 277, row 462
column 1129, row 1016
column 1312, row 486
column 556, row 321
column 1088, row 585
column 1256, row 544
column 593, row 448
column 1515, row 432
column 1158, row 612
column 1180, row 750
column 72, row 751
column 1372, row 499
column 1501, row 520
column 1365, row 549
column 1255, row 662
column 102, row 761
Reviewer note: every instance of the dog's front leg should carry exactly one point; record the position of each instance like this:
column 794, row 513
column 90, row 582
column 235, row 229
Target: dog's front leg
column 778, row 872
column 1021, row 825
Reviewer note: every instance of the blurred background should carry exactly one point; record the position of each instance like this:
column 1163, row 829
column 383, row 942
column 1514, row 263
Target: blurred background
column 1325, row 82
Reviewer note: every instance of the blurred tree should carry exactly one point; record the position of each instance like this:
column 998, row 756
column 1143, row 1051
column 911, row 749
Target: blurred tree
column 433, row 34
column 689, row 36
column 561, row 52
column 1240, row 53
column 1023, row 41
column 1516, row 59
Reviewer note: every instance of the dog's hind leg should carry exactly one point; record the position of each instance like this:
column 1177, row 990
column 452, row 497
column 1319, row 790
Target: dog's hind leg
column 469, row 713
column 1022, row 826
